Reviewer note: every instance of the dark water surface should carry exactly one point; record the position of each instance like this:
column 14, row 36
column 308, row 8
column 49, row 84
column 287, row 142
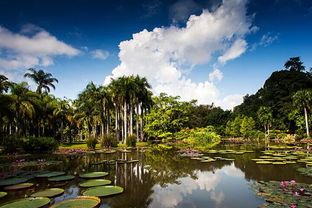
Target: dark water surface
column 164, row 179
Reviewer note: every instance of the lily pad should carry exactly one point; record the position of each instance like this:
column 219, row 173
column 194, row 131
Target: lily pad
column 103, row 191
column 278, row 163
column 95, row 182
column 80, row 201
column 3, row 194
column 27, row 202
column 62, row 178
column 93, row 175
column 264, row 162
column 12, row 181
column 50, row 174
column 18, row 186
column 306, row 171
column 52, row 192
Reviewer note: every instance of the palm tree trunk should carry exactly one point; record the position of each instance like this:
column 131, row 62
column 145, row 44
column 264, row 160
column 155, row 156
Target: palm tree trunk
column 125, row 122
column 137, row 121
column 306, row 121
column 131, row 120
column 141, row 123
column 107, row 123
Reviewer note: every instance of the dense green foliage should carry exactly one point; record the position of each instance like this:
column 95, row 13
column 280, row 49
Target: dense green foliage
column 91, row 142
column 39, row 144
column 108, row 140
column 277, row 97
column 126, row 107
column 168, row 116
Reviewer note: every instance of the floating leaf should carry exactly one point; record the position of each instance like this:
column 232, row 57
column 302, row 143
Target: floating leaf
column 278, row 163
column 103, row 191
column 50, row 174
column 52, row 192
column 79, row 202
column 264, row 162
column 12, row 181
column 94, row 182
column 18, row 186
column 62, row 178
column 3, row 194
column 93, row 175
column 27, row 202
column 305, row 171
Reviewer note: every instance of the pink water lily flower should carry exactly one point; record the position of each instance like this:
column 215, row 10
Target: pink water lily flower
column 292, row 182
column 293, row 206
column 296, row 194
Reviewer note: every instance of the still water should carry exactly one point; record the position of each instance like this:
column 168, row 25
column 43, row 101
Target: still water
column 163, row 179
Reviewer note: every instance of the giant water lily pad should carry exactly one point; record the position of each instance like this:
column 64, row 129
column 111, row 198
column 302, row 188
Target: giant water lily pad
column 3, row 194
column 52, row 192
column 50, row 174
column 264, row 162
column 12, row 181
column 27, row 203
column 79, row 202
column 94, row 182
column 18, row 186
column 62, row 178
column 93, row 175
column 306, row 171
column 103, row 191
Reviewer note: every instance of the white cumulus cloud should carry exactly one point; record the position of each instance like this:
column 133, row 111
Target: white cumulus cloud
column 216, row 74
column 21, row 50
column 100, row 54
column 163, row 54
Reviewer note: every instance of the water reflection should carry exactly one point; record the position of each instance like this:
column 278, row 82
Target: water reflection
column 163, row 179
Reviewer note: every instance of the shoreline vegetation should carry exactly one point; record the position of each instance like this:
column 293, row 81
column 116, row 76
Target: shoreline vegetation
column 125, row 117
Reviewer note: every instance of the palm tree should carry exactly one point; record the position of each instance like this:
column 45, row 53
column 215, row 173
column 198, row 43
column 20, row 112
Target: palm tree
column 294, row 64
column 4, row 84
column 302, row 99
column 42, row 79
column 23, row 102
column 265, row 116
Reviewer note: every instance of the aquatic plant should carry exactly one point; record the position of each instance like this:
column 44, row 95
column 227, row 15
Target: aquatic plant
column 284, row 193
column 80, row 201
column 101, row 191
column 52, row 192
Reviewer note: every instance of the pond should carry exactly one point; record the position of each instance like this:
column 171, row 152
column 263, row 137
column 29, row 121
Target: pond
column 165, row 179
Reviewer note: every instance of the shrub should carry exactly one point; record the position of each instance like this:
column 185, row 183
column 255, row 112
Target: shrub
column 109, row 140
column 11, row 144
column 39, row 144
column 91, row 142
column 131, row 140
column 256, row 134
column 142, row 144
column 121, row 145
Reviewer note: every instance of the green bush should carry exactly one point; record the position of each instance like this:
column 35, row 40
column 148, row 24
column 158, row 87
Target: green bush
column 11, row 144
column 256, row 134
column 39, row 144
column 109, row 140
column 121, row 145
column 142, row 144
column 91, row 142
column 131, row 141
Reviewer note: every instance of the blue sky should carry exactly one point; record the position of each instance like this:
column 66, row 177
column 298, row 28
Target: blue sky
column 225, row 50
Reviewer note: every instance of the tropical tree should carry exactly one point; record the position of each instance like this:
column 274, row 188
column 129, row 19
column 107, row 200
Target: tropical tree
column 294, row 64
column 4, row 84
column 303, row 100
column 247, row 126
column 266, row 118
column 42, row 79
column 23, row 102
